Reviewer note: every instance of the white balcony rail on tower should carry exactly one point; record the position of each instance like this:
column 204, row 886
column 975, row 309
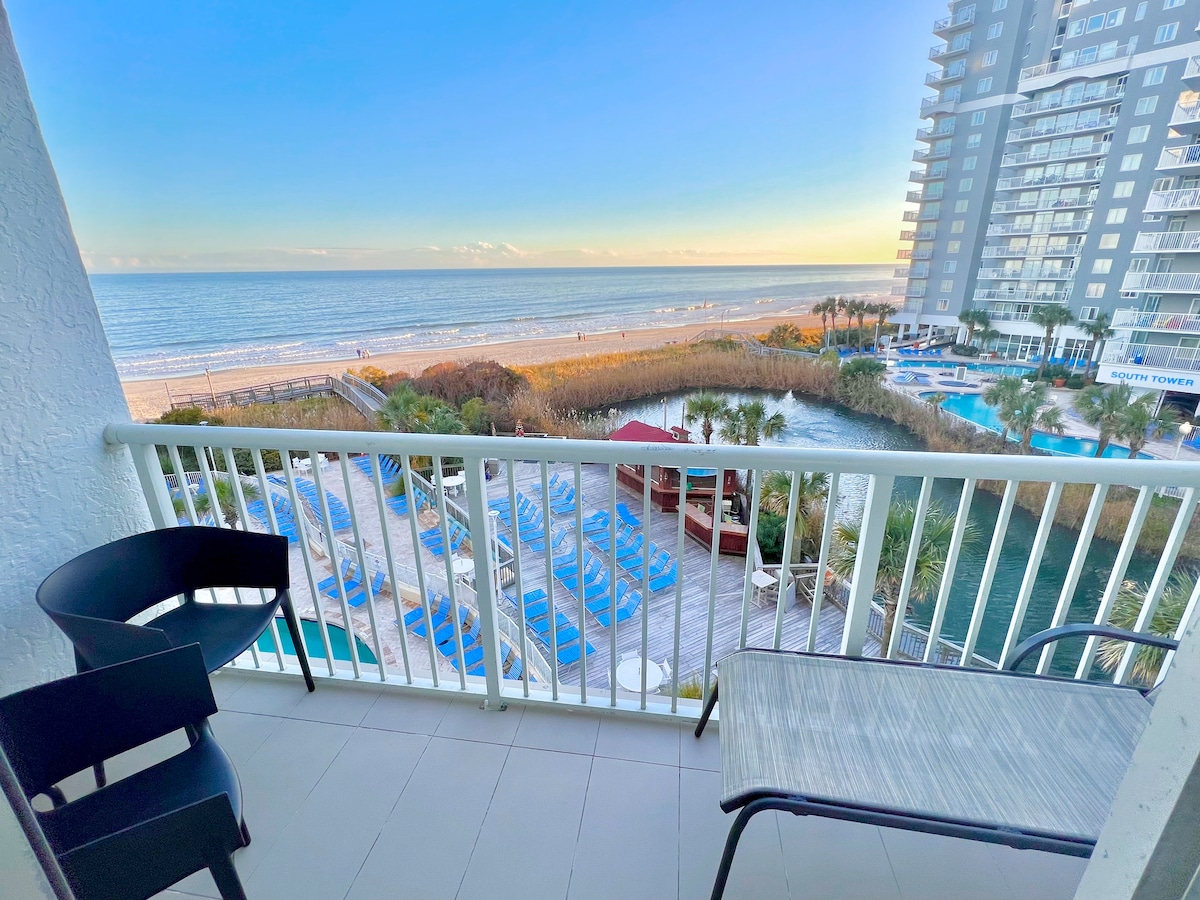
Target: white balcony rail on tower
column 1091, row 94
column 1013, row 206
column 1029, row 273
column 1017, row 182
column 1167, row 242
column 1075, row 223
column 1080, row 61
column 1030, row 132
column 1033, row 251
column 1017, row 296
column 1158, row 356
column 1029, row 157
column 1179, row 157
column 1165, row 282
column 1137, row 320
column 708, row 609
column 1185, row 113
column 1181, row 199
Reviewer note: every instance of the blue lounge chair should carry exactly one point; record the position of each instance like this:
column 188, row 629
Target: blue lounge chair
column 596, row 523
column 326, row 583
column 542, row 625
column 626, row 516
column 666, row 579
column 539, row 545
column 440, row 608
column 626, row 610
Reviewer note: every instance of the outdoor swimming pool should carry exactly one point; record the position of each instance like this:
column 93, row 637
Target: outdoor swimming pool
column 313, row 643
column 972, row 408
column 989, row 368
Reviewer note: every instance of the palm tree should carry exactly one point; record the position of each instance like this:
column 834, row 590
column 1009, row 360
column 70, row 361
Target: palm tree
column 1139, row 424
column 398, row 410
column 882, row 312
column 986, row 335
column 1164, row 623
column 936, row 400
column 708, row 409
column 812, row 491
column 747, row 423
column 824, row 309
column 1099, row 332
column 1049, row 316
column 437, row 417
column 226, row 500
column 1030, row 413
column 974, row 319
column 1005, row 393
column 1104, row 409
column 897, row 532
column 841, row 305
column 859, row 309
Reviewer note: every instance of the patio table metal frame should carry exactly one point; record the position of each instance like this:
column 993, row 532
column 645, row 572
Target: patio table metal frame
column 946, row 802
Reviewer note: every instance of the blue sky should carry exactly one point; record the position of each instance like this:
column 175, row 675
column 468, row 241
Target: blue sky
column 262, row 135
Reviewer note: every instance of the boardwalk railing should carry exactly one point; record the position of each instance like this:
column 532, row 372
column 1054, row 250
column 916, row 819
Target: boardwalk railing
column 274, row 392
column 749, row 341
column 660, row 597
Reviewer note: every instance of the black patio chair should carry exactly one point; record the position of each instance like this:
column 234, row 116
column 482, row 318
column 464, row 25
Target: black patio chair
column 93, row 597
column 143, row 833
column 1001, row 757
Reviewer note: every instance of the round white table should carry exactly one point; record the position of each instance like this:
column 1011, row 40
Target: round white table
column 629, row 675
column 453, row 483
column 462, row 568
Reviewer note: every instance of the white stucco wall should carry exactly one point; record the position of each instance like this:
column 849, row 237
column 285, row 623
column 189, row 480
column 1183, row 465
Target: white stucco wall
column 61, row 491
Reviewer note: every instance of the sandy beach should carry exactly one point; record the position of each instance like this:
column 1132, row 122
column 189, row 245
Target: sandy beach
column 149, row 398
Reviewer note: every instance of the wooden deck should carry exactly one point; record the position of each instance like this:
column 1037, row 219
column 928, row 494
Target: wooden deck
column 662, row 528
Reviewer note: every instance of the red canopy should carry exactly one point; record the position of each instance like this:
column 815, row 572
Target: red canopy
column 641, row 433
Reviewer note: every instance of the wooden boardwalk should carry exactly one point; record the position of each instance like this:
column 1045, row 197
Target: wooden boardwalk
column 662, row 528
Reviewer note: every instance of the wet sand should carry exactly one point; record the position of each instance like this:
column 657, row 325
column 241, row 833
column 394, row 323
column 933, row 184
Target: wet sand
column 149, row 398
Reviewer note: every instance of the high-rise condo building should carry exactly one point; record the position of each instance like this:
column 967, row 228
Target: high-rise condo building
column 1061, row 167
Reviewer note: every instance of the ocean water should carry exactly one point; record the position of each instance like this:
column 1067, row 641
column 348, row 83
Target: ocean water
column 176, row 324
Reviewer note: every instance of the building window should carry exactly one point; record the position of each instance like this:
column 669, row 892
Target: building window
column 1140, row 13
column 1095, row 23
column 953, row 246
column 989, row 58
column 1089, row 313
column 974, row 140
column 1154, row 76
column 950, row 266
column 1110, row 241
column 1101, row 266
column 969, row 163
column 943, row 304
column 961, row 206
column 978, row 117
column 1131, row 162
column 1095, row 290
column 1122, row 189
column 998, row 5
column 1171, row 4
column 965, row 185
column 957, row 226
column 947, row 285
column 985, row 85
column 1139, row 134
column 1146, row 106
column 995, row 30
column 1166, row 33
column 1075, row 29
column 1116, row 216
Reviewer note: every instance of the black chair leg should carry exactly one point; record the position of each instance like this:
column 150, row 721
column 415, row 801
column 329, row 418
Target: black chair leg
column 101, row 777
column 245, row 835
column 226, row 877
column 708, row 708
column 735, row 833
column 293, row 624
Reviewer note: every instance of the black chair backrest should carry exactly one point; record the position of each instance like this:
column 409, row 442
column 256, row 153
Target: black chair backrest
column 54, row 730
column 119, row 580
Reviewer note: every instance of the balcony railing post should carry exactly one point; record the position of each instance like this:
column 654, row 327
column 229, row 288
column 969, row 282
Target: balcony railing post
column 485, row 584
column 866, row 564
column 154, row 485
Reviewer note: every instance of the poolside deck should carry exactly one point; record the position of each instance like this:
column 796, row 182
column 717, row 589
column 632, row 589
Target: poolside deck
column 660, row 611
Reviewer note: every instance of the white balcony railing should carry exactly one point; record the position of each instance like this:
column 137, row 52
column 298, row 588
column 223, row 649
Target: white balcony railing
column 1166, row 282
column 1192, row 69
column 1016, row 296
column 1158, row 356
column 1167, row 242
column 1089, row 57
column 1017, row 182
column 1137, row 320
column 1078, row 223
column 1186, row 113
column 1028, row 157
column 1092, row 94
column 933, row 133
column 952, row 72
column 1181, row 199
column 1179, row 157
column 1046, row 273
column 1031, row 132
column 950, row 23
column 1012, row 206
column 708, row 608
column 1033, row 250
column 931, row 154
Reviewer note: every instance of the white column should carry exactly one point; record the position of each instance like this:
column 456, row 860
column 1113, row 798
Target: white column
column 64, row 490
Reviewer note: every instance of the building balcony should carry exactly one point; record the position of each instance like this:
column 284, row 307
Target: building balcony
column 1032, row 157
column 951, row 24
column 1179, row 157
column 1167, row 242
column 924, row 196
column 1019, row 182
column 931, row 154
column 1029, row 273
column 1079, row 223
column 1034, row 251
column 1034, row 132
column 917, row 271
column 924, row 176
column 1090, row 95
column 1011, row 295
column 909, row 215
column 1154, row 356
column 935, row 133
column 909, row 290
column 1186, row 117
column 1092, row 64
column 1191, row 72
column 1136, row 320
column 1162, row 282
column 950, row 49
column 1177, row 200
column 935, row 106
column 953, row 72
column 1013, row 206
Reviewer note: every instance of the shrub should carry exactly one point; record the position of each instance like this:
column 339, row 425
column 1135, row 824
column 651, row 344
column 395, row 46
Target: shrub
column 771, row 532
column 862, row 367
column 456, row 383
column 1075, row 382
column 188, row 415
column 965, row 350
column 371, row 375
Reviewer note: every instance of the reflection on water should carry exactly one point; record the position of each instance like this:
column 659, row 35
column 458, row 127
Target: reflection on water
column 814, row 424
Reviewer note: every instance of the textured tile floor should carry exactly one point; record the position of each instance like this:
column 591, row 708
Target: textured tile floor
column 354, row 792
